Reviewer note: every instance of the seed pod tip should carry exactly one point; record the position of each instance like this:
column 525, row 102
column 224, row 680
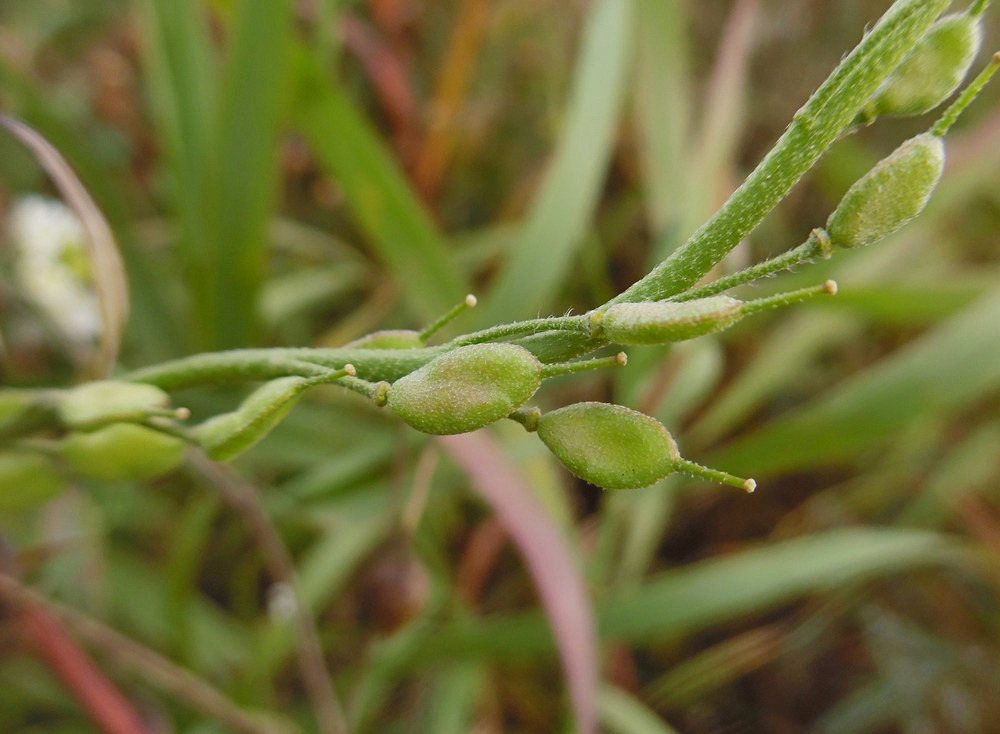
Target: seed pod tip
column 830, row 287
column 471, row 301
column 621, row 358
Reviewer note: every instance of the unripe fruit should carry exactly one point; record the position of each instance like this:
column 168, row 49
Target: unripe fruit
column 931, row 72
column 890, row 194
column 609, row 445
column 27, row 479
column 658, row 322
column 227, row 435
column 122, row 451
column 389, row 339
column 466, row 388
column 107, row 401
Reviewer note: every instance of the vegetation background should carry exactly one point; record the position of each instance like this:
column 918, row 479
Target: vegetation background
column 302, row 173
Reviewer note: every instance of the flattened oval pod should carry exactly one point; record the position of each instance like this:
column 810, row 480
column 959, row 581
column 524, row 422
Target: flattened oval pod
column 932, row 71
column 229, row 434
column 27, row 479
column 466, row 388
column 388, row 339
column 109, row 401
column 890, row 194
column 658, row 322
column 122, row 451
column 609, row 445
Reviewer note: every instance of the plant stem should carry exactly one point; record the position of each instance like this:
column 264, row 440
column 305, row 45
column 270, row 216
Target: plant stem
column 818, row 245
column 968, row 94
column 815, row 126
column 522, row 328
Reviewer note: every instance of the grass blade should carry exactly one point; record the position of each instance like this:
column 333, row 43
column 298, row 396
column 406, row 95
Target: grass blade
column 541, row 256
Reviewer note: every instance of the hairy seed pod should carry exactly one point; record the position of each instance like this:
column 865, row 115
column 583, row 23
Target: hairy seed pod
column 106, row 401
column 27, row 479
column 931, row 72
column 609, row 445
column 466, row 388
column 229, row 434
column 122, row 451
column 890, row 194
column 659, row 322
column 388, row 339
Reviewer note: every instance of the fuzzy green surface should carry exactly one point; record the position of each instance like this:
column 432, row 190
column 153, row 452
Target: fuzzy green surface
column 388, row 339
column 932, row 71
column 890, row 194
column 107, row 400
column 122, row 451
column 27, row 479
column 230, row 434
column 609, row 445
column 465, row 389
column 660, row 322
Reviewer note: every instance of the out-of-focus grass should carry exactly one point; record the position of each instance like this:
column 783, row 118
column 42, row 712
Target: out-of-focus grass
column 262, row 192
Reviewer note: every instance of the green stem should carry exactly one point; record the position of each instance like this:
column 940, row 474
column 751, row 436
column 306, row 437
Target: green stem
column 786, row 299
column 815, row 126
column 714, row 475
column 977, row 8
column 818, row 245
column 522, row 328
column 246, row 365
column 583, row 365
column 968, row 94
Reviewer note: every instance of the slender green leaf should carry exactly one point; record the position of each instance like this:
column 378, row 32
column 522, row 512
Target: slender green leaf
column 946, row 369
column 380, row 199
column 541, row 256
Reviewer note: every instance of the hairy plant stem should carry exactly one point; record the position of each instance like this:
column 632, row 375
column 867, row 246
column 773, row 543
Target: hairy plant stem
column 815, row 126
column 818, row 245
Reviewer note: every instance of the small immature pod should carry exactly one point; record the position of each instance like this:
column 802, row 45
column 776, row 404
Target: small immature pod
column 466, row 388
column 932, row 71
column 229, row 434
column 122, row 451
column 659, row 322
column 609, row 445
column 890, row 194
column 106, row 401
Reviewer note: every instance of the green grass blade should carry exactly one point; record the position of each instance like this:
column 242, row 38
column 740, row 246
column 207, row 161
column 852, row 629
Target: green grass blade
column 622, row 713
column 711, row 592
column 946, row 369
column 381, row 200
column 662, row 100
column 540, row 258
column 244, row 141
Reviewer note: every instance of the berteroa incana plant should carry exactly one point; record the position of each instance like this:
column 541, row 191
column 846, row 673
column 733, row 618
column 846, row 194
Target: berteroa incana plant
column 124, row 428
column 482, row 377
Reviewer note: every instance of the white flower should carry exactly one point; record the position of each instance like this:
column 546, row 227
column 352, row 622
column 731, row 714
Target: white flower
column 53, row 266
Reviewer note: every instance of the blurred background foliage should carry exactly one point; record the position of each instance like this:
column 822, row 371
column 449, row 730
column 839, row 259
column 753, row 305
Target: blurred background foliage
column 301, row 173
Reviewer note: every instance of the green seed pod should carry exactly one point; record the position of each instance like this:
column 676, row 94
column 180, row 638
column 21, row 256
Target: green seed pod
column 608, row 445
column 931, row 72
column 227, row 435
column 890, row 194
column 466, row 388
column 27, row 479
column 658, row 322
column 122, row 451
column 97, row 403
column 390, row 339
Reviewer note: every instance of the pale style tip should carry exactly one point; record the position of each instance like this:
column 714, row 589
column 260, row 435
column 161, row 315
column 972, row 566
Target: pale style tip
column 471, row 301
column 750, row 485
column 830, row 287
column 182, row 414
column 621, row 358
column 349, row 370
